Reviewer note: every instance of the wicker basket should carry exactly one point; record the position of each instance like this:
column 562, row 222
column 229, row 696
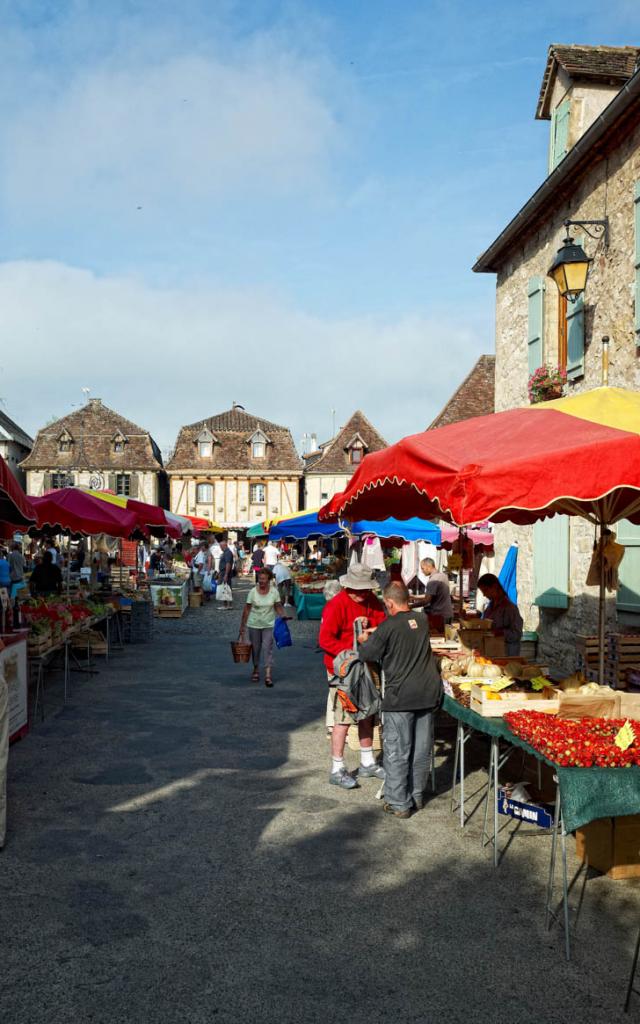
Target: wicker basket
column 241, row 651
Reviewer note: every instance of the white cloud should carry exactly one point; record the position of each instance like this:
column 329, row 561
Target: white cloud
column 185, row 130
column 165, row 357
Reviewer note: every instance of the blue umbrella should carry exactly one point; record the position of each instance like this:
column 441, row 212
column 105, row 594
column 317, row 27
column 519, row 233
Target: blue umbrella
column 508, row 573
column 302, row 527
column 404, row 529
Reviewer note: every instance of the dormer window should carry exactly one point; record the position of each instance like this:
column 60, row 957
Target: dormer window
column 258, row 442
column 356, row 450
column 205, row 442
column 119, row 442
column 65, row 441
column 355, row 456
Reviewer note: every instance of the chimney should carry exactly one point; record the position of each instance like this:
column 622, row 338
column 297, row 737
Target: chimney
column 314, row 442
column 95, row 401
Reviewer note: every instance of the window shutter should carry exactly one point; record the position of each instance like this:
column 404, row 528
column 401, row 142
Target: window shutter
column 636, row 210
column 551, row 562
column 628, row 595
column 133, row 485
column 535, row 293
column 559, row 134
column 112, row 482
column 575, row 338
column 46, row 483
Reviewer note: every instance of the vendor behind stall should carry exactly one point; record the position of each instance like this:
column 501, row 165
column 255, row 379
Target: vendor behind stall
column 46, row 578
column 505, row 617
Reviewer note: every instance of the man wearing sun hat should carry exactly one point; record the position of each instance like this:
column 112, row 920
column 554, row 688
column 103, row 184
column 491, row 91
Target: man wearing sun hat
column 355, row 603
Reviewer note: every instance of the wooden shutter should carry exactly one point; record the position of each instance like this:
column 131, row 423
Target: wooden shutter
column 46, row 483
column 551, row 562
column 559, row 134
column 133, row 485
column 535, row 296
column 112, row 482
column 636, row 210
column 628, row 595
column 575, row 338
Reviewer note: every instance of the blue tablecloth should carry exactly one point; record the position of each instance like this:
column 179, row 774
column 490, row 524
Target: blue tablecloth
column 308, row 606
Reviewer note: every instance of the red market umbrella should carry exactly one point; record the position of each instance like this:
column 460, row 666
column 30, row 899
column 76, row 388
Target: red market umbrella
column 149, row 518
column 15, row 506
column 578, row 455
column 69, row 509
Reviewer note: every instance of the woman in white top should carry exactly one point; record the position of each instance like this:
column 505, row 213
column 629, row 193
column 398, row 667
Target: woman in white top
column 263, row 604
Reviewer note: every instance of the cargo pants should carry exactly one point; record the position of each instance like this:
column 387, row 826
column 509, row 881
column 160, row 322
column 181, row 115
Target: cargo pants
column 408, row 739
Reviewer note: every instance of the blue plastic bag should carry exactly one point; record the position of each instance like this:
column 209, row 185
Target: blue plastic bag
column 281, row 634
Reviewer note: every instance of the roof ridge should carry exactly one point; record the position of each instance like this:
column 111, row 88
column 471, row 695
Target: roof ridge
column 461, row 386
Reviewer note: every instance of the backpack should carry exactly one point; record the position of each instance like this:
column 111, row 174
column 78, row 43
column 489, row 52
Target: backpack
column 357, row 686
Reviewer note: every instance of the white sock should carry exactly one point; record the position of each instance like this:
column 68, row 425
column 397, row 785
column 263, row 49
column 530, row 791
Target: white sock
column 337, row 764
column 367, row 757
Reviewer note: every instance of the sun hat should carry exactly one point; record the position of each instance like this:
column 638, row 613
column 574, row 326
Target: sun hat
column 358, row 577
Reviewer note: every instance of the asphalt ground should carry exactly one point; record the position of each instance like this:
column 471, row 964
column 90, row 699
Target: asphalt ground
column 175, row 854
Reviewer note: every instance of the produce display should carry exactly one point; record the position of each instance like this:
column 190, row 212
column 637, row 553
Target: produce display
column 491, row 689
column 584, row 744
column 51, row 619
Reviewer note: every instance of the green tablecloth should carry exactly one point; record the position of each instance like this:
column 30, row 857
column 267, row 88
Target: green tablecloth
column 586, row 793
column 308, row 606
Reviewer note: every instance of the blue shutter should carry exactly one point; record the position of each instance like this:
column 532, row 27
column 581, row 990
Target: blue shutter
column 575, row 338
column 628, row 596
column 636, row 209
column 559, row 134
column 535, row 295
column 551, row 562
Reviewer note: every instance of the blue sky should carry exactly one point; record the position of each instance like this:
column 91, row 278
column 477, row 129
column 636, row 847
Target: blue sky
column 273, row 203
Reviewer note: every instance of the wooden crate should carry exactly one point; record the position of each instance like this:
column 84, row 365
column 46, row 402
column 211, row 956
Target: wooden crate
column 494, row 647
column 195, row 599
column 611, row 845
column 169, row 613
column 489, row 707
column 39, row 646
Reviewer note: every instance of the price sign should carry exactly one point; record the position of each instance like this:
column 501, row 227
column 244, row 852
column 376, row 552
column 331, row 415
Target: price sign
column 625, row 737
column 500, row 684
column 454, row 562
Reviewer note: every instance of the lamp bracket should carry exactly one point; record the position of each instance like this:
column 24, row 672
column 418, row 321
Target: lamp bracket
column 600, row 228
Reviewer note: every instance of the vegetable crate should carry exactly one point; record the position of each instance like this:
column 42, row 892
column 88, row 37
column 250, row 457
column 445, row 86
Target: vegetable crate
column 496, row 705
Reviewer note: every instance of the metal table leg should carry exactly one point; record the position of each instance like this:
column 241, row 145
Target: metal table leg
column 458, row 771
column 552, row 915
column 631, row 989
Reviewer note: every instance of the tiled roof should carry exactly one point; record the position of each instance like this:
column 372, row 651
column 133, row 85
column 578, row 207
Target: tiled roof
column 335, row 457
column 609, row 64
column 474, row 397
column 92, row 429
column 232, row 430
column 10, row 431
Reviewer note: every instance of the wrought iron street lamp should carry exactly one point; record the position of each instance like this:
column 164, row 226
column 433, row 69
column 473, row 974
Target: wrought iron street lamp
column 570, row 267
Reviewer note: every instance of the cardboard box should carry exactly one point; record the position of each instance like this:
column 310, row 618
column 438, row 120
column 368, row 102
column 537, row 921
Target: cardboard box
column 611, row 845
column 494, row 647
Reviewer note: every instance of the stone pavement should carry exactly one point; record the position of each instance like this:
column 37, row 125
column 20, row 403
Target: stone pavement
column 175, row 854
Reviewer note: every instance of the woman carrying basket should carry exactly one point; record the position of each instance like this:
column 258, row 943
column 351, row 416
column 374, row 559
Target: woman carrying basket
column 259, row 614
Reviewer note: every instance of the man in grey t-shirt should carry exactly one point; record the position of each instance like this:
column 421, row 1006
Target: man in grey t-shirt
column 438, row 597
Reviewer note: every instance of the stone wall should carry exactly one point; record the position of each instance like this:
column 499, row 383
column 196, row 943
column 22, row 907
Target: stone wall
column 608, row 190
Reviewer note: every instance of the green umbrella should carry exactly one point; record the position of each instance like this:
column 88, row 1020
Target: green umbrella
column 257, row 530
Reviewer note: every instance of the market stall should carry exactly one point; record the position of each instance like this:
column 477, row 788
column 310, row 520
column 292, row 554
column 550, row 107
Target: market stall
column 169, row 596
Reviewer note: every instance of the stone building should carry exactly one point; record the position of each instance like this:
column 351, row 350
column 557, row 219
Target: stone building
column 96, row 447
column 15, row 445
column 329, row 469
column 474, row 397
column 234, row 468
column 591, row 96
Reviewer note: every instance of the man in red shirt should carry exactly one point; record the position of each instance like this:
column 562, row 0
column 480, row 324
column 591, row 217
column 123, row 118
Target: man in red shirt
column 354, row 602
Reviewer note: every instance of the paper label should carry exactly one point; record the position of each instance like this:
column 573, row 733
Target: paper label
column 500, row 684
column 625, row 737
